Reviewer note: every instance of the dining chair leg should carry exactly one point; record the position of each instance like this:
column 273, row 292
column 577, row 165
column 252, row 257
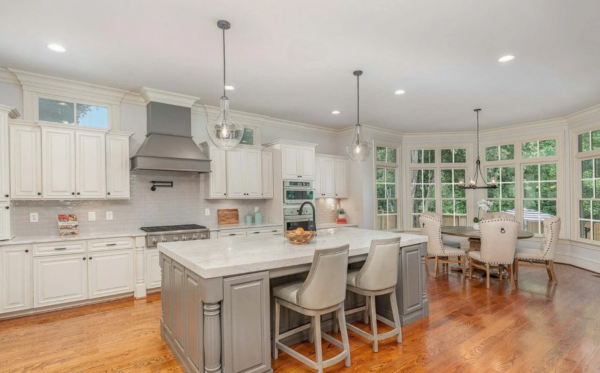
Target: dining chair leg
column 500, row 272
column 551, row 265
column 516, row 269
column 426, row 260
column 512, row 278
column 336, row 326
column 470, row 268
column 276, row 331
column 345, row 341
column 464, row 265
column 487, row 274
column 366, row 315
column 436, row 267
column 396, row 315
column 318, row 347
column 374, row 324
column 548, row 269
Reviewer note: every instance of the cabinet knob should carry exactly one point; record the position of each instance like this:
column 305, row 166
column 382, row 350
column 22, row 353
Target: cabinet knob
column 84, row 258
column 73, row 193
column 39, row 193
column 26, row 251
column 90, row 258
column 224, row 194
column 6, row 195
column 7, row 207
column 109, row 193
column 78, row 193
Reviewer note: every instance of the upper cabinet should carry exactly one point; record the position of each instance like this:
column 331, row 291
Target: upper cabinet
column 297, row 161
column 215, row 183
column 90, row 156
column 267, row 174
column 117, row 166
column 4, row 164
column 58, row 163
column 331, row 177
column 25, row 161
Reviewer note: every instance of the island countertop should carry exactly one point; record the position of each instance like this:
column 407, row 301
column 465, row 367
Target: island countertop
column 240, row 255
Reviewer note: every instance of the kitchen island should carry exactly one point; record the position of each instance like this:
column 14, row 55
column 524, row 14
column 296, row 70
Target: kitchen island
column 216, row 293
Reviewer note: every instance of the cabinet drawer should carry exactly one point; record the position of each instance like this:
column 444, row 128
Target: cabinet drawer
column 58, row 248
column 270, row 230
column 111, row 244
column 232, row 233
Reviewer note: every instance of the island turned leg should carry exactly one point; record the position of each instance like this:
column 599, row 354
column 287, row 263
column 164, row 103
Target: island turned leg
column 212, row 338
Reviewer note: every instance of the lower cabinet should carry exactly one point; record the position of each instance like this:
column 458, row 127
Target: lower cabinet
column 5, row 232
column 60, row 279
column 110, row 273
column 15, row 278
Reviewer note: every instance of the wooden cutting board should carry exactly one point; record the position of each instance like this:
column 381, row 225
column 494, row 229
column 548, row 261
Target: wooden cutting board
column 228, row 216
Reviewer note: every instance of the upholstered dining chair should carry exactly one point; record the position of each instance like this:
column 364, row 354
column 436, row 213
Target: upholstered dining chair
column 498, row 246
column 378, row 276
column 544, row 255
column 446, row 242
column 498, row 215
column 323, row 291
column 431, row 226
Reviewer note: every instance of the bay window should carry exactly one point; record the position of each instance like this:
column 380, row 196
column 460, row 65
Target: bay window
column 386, row 185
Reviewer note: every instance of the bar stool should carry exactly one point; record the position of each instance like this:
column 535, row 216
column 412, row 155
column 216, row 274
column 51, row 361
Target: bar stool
column 323, row 291
column 378, row 276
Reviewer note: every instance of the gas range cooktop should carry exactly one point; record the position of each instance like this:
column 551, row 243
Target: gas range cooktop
column 170, row 228
column 174, row 233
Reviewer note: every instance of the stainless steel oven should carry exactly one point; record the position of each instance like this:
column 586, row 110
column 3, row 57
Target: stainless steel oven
column 298, row 192
column 293, row 220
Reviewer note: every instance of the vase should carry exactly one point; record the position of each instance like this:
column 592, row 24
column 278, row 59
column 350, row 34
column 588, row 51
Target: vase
column 342, row 216
column 476, row 226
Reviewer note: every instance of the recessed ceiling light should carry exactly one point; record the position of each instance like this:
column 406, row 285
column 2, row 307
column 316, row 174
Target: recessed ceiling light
column 506, row 58
column 399, row 92
column 56, row 48
column 335, row 112
column 229, row 87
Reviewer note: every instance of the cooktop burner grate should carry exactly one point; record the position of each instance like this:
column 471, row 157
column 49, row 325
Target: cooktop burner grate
column 168, row 228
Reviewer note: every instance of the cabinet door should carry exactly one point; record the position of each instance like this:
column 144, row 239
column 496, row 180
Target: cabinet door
column 117, row 166
column 4, row 164
column 59, row 279
column 218, row 175
column 235, row 174
column 15, row 280
column 153, row 271
column 25, row 162
column 58, row 160
column 5, row 228
column 290, row 162
column 328, row 177
column 252, row 174
column 341, row 178
column 267, row 174
column 110, row 272
column 307, row 163
column 318, row 185
column 91, row 165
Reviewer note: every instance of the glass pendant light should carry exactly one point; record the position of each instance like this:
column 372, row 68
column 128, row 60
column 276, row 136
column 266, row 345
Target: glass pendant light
column 474, row 182
column 223, row 131
column 358, row 150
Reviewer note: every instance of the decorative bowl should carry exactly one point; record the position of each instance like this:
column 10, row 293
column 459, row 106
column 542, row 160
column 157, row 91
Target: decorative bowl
column 300, row 239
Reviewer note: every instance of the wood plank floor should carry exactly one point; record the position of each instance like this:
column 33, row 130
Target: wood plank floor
column 539, row 328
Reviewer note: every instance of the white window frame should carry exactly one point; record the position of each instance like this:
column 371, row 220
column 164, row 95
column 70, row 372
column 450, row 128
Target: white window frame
column 35, row 103
column 395, row 166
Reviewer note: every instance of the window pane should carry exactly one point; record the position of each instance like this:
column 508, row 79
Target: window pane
column 93, row 116
column 585, row 228
column 491, row 154
column 587, row 189
column 417, row 206
column 548, row 190
column 416, row 156
column 495, row 206
column 587, row 169
column 391, row 155
column 460, row 206
column 380, row 191
column 508, row 174
column 429, row 191
column 416, row 176
column 460, row 155
column 446, row 176
column 381, row 154
column 508, row 190
column 447, row 156
column 56, row 111
column 584, row 142
column 493, row 193
column 531, row 173
column 459, row 175
column 429, row 205
column 428, row 176
column 548, row 172
column 597, row 166
column 458, row 192
column 390, row 191
column 392, row 221
column 530, row 190
column 381, row 206
column 547, row 148
column 493, row 173
column 392, row 205
column 447, row 206
column 447, row 191
column 585, row 211
column 415, row 221
column 596, row 231
column 380, row 175
column 508, row 205
column 247, row 137
column 547, row 207
column 529, row 149
column 428, row 156
column 507, row 152
column 597, row 195
column 595, row 140
column 390, row 175
column 595, row 210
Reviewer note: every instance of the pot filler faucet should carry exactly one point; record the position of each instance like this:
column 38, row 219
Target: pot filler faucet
column 312, row 225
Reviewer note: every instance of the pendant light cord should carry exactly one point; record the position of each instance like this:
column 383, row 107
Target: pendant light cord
column 224, row 76
column 477, row 110
column 358, row 100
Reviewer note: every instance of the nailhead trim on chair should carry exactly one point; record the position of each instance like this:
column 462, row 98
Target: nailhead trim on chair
column 440, row 232
column 547, row 246
column 491, row 221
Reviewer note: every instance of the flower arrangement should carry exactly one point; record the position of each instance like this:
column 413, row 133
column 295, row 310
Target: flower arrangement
column 484, row 205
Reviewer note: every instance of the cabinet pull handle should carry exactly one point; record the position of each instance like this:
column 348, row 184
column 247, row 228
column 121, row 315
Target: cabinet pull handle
column 274, row 230
column 256, row 232
column 7, row 207
column 232, row 234
column 60, row 248
column 110, row 244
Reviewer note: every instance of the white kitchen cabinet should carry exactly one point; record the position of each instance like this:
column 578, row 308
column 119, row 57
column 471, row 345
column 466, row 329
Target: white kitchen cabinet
column 110, row 272
column 15, row 278
column 60, row 279
column 298, row 162
column 90, row 164
column 215, row 183
column 25, row 162
column 325, row 177
column 58, row 163
column 153, row 270
column 341, row 178
column 117, row 166
column 244, row 173
column 4, row 155
column 267, row 174
column 5, row 227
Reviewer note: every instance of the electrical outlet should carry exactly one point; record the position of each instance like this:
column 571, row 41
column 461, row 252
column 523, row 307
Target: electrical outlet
column 33, row 217
column 256, row 209
column 91, row 216
column 109, row 215
column 206, row 212
column 332, row 207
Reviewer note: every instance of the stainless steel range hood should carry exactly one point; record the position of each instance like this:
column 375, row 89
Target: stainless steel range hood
column 169, row 145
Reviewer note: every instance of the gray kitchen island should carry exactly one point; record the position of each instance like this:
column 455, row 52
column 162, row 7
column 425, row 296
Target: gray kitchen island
column 216, row 293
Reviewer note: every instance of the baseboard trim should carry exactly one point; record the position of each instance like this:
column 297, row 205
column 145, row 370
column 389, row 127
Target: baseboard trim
column 578, row 262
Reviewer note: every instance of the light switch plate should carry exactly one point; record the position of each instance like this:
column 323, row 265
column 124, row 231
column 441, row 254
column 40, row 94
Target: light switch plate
column 91, row 216
column 109, row 215
column 206, row 212
column 33, row 217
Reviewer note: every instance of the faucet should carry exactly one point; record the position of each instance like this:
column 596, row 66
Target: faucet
column 313, row 226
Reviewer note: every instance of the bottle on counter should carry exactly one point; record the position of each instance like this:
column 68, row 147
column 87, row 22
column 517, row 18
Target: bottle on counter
column 258, row 218
column 248, row 219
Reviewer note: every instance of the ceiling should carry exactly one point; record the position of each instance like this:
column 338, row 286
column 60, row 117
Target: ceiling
column 294, row 59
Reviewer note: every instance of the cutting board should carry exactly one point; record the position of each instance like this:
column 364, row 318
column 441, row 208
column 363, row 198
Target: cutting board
column 228, row 216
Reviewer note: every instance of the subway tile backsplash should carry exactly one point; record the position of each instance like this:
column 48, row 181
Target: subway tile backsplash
column 182, row 204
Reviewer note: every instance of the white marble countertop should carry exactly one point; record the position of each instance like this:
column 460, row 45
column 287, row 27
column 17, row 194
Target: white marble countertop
column 238, row 255
column 242, row 225
column 24, row 240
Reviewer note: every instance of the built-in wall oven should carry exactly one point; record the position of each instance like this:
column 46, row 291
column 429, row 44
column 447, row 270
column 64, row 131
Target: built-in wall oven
column 293, row 220
column 298, row 192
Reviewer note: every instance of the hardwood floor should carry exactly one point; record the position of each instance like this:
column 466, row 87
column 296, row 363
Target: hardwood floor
column 539, row 328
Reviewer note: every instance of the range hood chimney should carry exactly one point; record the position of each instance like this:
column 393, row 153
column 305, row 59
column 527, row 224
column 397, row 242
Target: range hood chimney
column 169, row 145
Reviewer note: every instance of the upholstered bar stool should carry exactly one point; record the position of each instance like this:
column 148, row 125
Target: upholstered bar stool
column 544, row 255
column 453, row 244
column 378, row 276
column 431, row 226
column 323, row 291
column 498, row 245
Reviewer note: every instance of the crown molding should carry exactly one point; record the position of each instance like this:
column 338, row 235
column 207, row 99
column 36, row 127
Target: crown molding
column 166, row 97
column 527, row 126
column 8, row 77
column 371, row 130
column 290, row 142
column 133, row 98
column 438, row 135
column 584, row 114
column 249, row 119
column 70, row 88
column 303, row 127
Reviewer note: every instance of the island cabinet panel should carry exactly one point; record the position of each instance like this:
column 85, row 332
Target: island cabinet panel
column 412, row 271
column 193, row 322
column 177, row 303
column 246, row 327
column 166, row 290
